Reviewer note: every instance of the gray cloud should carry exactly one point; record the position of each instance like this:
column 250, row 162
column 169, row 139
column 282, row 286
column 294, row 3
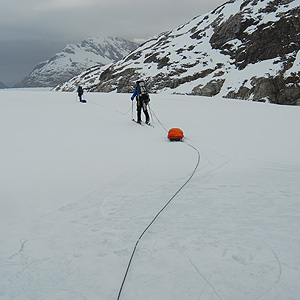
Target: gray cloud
column 18, row 58
column 33, row 30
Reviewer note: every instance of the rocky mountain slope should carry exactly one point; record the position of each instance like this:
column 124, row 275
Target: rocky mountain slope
column 75, row 58
column 244, row 49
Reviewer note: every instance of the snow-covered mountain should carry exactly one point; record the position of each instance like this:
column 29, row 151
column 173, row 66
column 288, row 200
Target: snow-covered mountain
column 245, row 49
column 2, row 85
column 75, row 58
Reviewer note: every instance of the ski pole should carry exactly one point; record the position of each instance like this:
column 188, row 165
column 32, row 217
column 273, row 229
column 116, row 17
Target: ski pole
column 151, row 113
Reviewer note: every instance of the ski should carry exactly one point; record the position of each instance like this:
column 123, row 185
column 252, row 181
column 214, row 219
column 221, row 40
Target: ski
column 149, row 124
column 140, row 123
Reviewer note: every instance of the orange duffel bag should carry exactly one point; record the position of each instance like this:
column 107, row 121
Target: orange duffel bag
column 175, row 134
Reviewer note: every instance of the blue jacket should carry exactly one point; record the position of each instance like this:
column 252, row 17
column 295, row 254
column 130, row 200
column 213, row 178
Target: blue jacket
column 134, row 94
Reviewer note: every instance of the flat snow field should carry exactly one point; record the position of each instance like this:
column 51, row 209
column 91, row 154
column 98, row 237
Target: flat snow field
column 79, row 183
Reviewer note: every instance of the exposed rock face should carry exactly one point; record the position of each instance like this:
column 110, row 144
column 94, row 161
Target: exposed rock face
column 212, row 88
column 278, row 40
column 74, row 59
column 244, row 49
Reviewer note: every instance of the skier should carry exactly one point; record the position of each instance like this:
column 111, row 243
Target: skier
column 142, row 100
column 80, row 92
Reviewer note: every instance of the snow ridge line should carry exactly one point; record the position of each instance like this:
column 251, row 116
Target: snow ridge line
column 153, row 220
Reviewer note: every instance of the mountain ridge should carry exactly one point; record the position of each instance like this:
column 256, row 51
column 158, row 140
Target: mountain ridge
column 230, row 51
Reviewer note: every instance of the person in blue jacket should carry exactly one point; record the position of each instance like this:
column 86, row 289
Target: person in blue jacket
column 142, row 100
column 80, row 92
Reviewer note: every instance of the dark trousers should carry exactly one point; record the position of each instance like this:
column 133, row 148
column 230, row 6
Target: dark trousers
column 80, row 96
column 141, row 104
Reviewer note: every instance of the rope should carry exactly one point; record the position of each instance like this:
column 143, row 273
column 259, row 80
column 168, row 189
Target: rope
column 162, row 125
column 124, row 114
column 169, row 201
column 153, row 220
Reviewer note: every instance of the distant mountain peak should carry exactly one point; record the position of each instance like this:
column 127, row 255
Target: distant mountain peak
column 75, row 58
column 2, row 85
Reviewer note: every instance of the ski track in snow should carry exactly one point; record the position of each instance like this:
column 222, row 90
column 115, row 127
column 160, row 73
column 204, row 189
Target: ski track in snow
column 95, row 179
column 205, row 279
column 279, row 273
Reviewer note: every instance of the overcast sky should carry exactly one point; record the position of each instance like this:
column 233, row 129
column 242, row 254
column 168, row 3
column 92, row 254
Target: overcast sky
column 32, row 31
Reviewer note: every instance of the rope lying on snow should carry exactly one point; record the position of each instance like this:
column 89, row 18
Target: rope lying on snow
column 109, row 108
column 145, row 230
column 152, row 112
column 169, row 201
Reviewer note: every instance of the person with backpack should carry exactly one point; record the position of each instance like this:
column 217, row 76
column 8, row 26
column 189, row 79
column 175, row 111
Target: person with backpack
column 142, row 100
column 80, row 92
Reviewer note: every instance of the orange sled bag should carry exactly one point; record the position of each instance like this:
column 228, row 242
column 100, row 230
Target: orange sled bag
column 175, row 134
